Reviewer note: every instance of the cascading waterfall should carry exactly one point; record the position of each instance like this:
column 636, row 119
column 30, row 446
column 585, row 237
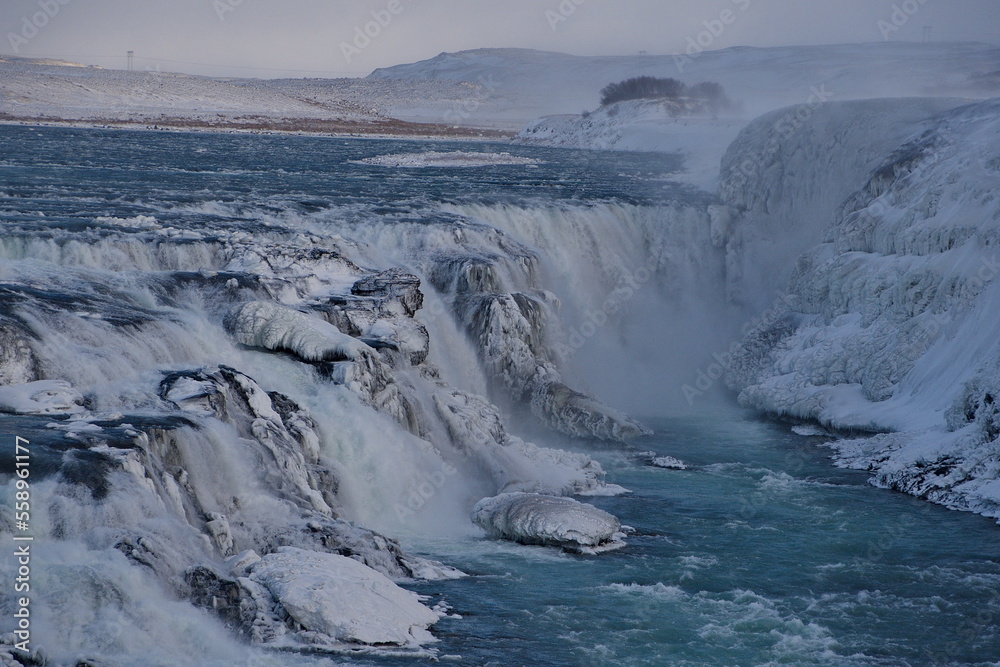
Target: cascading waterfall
column 638, row 291
column 225, row 398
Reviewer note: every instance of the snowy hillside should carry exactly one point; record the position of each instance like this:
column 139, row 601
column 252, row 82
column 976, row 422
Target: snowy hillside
column 29, row 88
column 501, row 89
column 53, row 90
column 762, row 79
column 893, row 318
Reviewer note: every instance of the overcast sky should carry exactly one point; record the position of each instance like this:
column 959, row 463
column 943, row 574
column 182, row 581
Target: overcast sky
column 308, row 37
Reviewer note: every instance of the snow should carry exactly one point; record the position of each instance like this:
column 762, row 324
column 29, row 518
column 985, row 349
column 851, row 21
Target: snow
column 878, row 217
column 668, row 462
column 539, row 83
column 42, row 397
column 449, row 159
column 343, row 600
column 758, row 80
column 137, row 222
column 275, row 327
column 512, row 463
column 547, row 520
column 785, row 177
column 36, row 89
column 496, row 88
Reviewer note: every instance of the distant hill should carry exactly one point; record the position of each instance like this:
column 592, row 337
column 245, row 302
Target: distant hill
column 762, row 78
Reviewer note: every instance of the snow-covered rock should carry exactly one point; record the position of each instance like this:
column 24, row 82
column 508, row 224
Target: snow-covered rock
column 17, row 361
column 477, row 431
column 581, row 416
column 551, row 521
column 275, row 327
column 668, row 462
column 511, row 331
column 336, row 600
column 42, row 397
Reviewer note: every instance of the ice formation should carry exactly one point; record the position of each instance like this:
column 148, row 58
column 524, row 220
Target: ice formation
column 548, row 520
column 342, row 601
column 891, row 323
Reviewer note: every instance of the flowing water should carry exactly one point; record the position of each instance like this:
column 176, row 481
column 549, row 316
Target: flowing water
column 760, row 552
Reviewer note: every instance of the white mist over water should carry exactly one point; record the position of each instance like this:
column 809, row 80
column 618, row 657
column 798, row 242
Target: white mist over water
column 639, row 294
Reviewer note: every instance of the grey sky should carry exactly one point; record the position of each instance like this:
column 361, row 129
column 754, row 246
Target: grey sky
column 305, row 37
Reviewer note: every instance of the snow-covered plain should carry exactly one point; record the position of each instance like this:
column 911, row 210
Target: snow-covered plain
column 523, row 85
column 760, row 78
column 50, row 91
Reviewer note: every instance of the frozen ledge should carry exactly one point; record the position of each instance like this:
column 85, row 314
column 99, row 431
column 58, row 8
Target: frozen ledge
column 337, row 600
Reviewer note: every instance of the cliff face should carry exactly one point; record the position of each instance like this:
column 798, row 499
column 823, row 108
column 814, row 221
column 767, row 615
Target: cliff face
column 893, row 318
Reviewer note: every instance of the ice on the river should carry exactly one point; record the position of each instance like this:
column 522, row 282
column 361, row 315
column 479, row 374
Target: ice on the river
column 668, row 462
column 447, row 159
column 530, row 518
column 343, row 600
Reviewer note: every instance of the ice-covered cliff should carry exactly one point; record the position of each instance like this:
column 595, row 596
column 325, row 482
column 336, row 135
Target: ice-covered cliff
column 892, row 318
